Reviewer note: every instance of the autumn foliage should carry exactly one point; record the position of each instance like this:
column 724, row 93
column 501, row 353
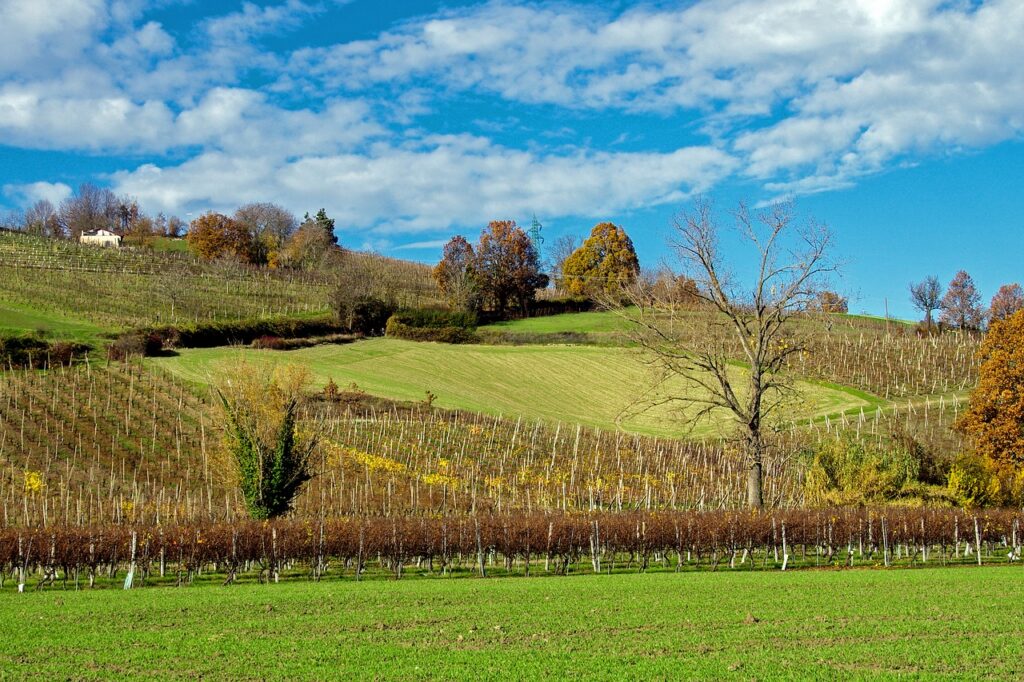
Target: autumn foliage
column 995, row 419
column 456, row 274
column 603, row 264
column 961, row 306
column 1008, row 300
column 214, row 235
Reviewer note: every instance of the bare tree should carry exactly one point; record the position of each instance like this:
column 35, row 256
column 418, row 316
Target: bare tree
column 91, row 208
column 270, row 225
column 563, row 247
column 926, row 296
column 736, row 321
column 41, row 219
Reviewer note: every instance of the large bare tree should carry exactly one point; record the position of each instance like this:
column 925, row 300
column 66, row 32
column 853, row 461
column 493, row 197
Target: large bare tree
column 926, row 296
column 721, row 318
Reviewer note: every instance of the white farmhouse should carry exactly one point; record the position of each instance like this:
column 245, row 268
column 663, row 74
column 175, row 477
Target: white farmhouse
column 100, row 238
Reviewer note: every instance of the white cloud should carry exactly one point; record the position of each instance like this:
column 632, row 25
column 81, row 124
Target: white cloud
column 35, row 35
column 802, row 96
column 254, row 20
column 834, row 89
column 433, row 183
column 29, row 193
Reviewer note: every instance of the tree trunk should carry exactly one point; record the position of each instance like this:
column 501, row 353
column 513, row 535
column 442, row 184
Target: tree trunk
column 755, row 457
column 755, row 498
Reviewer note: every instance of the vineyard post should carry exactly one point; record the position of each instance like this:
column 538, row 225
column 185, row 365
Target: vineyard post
column 479, row 547
column 885, row 542
column 129, row 579
column 977, row 540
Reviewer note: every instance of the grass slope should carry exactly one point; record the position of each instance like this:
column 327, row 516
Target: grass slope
column 945, row 623
column 584, row 323
column 578, row 384
column 20, row 319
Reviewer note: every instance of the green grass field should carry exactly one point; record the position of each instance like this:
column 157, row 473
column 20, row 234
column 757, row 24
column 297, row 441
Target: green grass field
column 929, row 623
column 578, row 384
column 20, row 319
column 608, row 322
column 584, row 323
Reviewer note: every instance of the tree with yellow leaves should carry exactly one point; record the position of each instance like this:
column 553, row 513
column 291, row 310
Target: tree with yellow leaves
column 604, row 264
column 270, row 456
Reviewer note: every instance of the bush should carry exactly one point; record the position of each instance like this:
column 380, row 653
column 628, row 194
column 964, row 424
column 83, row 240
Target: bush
column 846, row 471
column 397, row 330
column 431, row 324
column 435, row 318
column 507, row 338
column 270, row 343
column 366, row 315
column 135, row 344
column 34, row 352
column 277, row 343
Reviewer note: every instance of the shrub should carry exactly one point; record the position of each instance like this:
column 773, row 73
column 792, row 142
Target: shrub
column 430, row 324
column 368, row 315
column 270, row 343
column 277, row 343
column 135, row 344
column 846, row 471
column 396, row 329
column 507, row 338
column 435, row 318
column 34, row 352
column 234, row 332
column 973, row 482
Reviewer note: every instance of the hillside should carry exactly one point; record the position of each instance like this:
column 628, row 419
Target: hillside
column 73, row 289
column 589, row 385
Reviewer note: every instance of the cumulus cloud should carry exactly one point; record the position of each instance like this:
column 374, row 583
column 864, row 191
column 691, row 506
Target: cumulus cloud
column 799, row 96
column 840, row 88
column 29, row 193
column 432, row 183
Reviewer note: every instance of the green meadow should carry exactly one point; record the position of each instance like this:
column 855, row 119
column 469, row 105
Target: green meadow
column 595, row 386
column 930, row 623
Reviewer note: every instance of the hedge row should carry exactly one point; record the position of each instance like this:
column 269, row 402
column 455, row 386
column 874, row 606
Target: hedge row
column 429, row 324
column 34, row 352
column 152, row 340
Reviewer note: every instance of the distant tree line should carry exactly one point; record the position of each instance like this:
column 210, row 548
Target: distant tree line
column 960, row 306
column 94, row 208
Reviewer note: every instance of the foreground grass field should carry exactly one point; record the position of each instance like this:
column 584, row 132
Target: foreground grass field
column 860, row 624
column 576, row 384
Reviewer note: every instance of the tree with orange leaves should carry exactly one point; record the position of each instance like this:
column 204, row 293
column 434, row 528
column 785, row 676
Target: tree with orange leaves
column 1008, row 300
column 995, row 418
column 508, row 265
column 214, row 235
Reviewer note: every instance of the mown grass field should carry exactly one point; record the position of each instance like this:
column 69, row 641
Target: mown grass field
column 596, row 322
column 20, row 319
column 928, row 623
column 576, row 384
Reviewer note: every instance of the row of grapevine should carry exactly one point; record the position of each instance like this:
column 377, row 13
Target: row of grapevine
column 599, row 541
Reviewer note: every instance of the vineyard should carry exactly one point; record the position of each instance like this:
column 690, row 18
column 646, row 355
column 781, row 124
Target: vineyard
column 120, row 288
column 523, row 543
column 888, row 361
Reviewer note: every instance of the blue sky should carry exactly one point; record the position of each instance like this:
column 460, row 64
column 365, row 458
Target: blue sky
column 899, row 124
